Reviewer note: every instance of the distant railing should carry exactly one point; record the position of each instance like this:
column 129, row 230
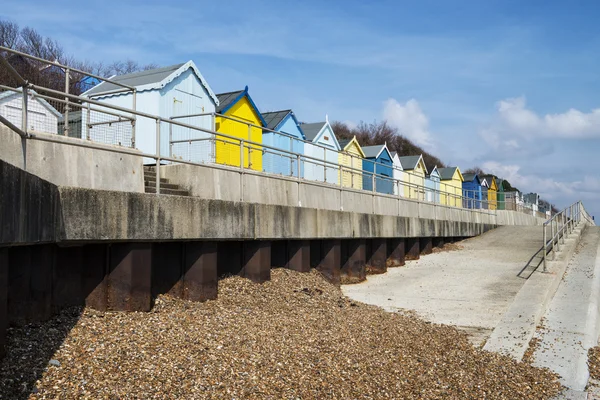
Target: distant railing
column 96, row 121
column 560, row 225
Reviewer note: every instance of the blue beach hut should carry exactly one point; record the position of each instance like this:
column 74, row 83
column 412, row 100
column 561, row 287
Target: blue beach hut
column 378, row 160
column 472, row 194
column 289, row 137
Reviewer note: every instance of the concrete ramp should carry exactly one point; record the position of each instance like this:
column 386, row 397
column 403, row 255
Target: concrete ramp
column 470, row 288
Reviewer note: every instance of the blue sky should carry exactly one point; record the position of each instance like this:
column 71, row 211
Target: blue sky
column 510, row 86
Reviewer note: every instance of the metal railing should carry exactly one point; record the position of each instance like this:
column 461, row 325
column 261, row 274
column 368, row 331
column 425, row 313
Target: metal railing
column 96, row 121
column 560, row 225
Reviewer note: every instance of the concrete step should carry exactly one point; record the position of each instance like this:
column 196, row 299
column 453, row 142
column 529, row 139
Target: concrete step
column 163, row 184
column 518, row 324
column 152, row 178
column 173, row 192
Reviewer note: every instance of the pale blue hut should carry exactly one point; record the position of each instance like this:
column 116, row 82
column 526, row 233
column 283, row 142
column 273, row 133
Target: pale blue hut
column 174, row 92
column 289, row 137
column 321, row 153
column 432, row 186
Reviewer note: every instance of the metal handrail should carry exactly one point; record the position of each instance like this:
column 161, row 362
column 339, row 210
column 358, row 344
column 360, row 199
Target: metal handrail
column 450, row 193
column 562, row 224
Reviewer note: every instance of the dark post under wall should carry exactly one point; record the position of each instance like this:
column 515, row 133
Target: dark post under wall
column 67, row 288
column 130, row 277
column 3, row 299
column 330, row 263
column 354, row 260
column 438, row 242
column 412, row 249
column 426, row 245
column 279, row 253
column 395, row 252
column 167, row 262
column 79, row 277
column 30, row 283
column 229, row 258
column 256, row 261
column 95, row 277
column 376, row 263
column 200, row 271
column 298, row 255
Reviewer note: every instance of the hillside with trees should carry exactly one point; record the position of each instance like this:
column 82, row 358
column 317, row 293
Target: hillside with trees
column 381, row 132
column 30, row 41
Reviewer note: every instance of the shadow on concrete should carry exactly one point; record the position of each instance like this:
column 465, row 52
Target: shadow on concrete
column 532, row 265
column 30, row 348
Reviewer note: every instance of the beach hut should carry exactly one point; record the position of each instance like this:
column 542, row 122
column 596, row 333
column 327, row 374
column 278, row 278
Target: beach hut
column 41, row 116
column 501, row 194
column 168, row 92
column 432, row 186
column 288, row 137
column 350, row 159
column 471, row 191
column 451, row 186
column 492, row 191
column 238, row 116
column 378, row 169
column 532, row 201
column 414, row 170
column 321, row 151
column 398, row 174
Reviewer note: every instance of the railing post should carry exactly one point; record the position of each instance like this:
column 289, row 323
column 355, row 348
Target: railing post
column 552, row 239
column 158, row 156
column 133, row 123
column 25, row 111
column 88, row 121
column 66, row 125
column 563, row 226
column 242, row 170
column 171, row 139
column 544, row 247
column 341, row 189
column 298, row 178
column 324, row 165
column 373, row 181
column 557, row 235
column 249, row 147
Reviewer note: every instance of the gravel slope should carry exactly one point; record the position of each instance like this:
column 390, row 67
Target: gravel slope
column 294, row 337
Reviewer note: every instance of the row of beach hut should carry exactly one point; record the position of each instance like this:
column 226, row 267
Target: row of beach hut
column 274, row 142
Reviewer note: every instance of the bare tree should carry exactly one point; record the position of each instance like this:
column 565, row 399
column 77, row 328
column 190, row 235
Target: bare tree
column 375, row 133
column 475, row 170
column 9, row 34
column 30, row 41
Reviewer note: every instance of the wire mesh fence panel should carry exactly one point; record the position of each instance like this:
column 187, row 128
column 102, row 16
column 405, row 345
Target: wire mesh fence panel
column 190, row 144
column 39, row 116
column 279, row 162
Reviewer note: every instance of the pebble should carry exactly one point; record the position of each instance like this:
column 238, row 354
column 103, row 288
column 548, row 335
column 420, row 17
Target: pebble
column 295, row 336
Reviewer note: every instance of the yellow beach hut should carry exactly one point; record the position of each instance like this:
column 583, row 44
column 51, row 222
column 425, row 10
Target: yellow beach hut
column 451, row 181
column 492, row 191
column 414, row 171
column 350, row 159
column 238, row 116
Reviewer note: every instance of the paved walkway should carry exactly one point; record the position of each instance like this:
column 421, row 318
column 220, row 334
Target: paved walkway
column 470, row 288
column 570, row 325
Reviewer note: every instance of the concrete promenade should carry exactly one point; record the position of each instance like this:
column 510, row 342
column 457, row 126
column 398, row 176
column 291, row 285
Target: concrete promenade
column 469, row 288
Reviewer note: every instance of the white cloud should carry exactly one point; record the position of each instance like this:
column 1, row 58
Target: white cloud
column 410, row 120
column 548, row 188
column 515, row 115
